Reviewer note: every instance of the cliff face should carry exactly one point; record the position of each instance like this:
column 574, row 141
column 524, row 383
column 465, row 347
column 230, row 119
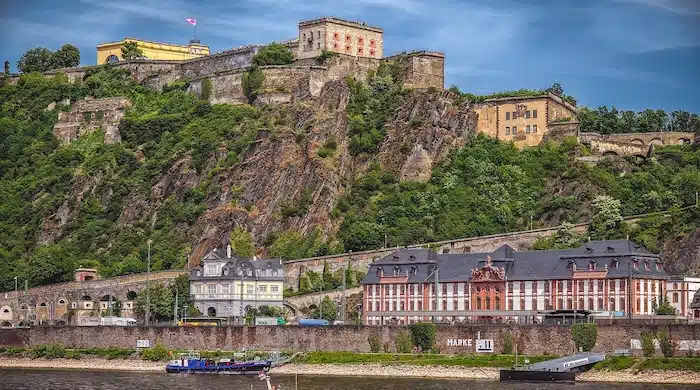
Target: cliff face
column 681, row 256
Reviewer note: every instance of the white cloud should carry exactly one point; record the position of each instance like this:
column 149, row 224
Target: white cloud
column 684, row 7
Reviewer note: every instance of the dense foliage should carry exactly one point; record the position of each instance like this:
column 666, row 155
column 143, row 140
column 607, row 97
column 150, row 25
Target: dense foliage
column 131, row 50
column 41, row 59
column 273, row 54
column 423, row 335
column 584, row 335
column 556, row 89
column 606, row 120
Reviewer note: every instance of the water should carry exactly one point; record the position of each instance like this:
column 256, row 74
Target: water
column 21, row 379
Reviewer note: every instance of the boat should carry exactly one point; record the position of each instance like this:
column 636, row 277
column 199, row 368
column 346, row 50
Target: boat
column 192, row 363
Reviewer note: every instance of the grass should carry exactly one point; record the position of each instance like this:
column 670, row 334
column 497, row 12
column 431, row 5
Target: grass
column 616, row 363
column 413, row 359
column 673, row 363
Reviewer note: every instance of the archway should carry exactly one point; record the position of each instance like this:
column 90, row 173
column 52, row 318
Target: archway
column 6, row 324
column 610, row 153
column 211, row 312
column 62, row 302
column 5, row 313
column 111, row 59
column 131, row 296
column 86, row 298
column 656, row 141
column 683, row 141
column 637, row 141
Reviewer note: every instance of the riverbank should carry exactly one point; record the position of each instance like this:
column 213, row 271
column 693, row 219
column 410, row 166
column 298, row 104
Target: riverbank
column 364, row 370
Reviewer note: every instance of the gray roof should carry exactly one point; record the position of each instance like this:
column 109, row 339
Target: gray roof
column 526, row 265
column 233, row 264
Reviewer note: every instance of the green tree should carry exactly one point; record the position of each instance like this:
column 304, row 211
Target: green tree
column 328, row 310
column 51, row 264
column 273, row 54
column 242, row 243
column 252, row 83
column 363, row 235
column 131, row 50
column 664, row 308
column 648, row 345
column 403, row 342
column 584, row 335
column 162, row 304
column 423, row 335
column 607, row 219
column 66, row 57
column 38, row 59
column 665, row 343
column 556, row 89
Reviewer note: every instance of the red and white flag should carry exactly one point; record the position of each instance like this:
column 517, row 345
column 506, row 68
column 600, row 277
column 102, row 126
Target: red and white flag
column 191, row 21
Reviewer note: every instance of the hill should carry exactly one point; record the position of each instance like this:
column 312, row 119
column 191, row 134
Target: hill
column 358, row 165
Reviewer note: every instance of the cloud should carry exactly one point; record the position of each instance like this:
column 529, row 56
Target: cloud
column 684, row 7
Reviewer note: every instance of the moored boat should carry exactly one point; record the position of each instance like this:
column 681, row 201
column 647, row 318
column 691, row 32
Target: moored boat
column 192, row 363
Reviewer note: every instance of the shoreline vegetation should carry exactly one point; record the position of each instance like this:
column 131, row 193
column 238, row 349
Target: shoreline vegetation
column 676, row 370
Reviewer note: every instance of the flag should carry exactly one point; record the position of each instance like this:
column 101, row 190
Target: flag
column 191, row 21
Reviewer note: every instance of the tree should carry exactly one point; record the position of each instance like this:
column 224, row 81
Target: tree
column 38, row 59
column 363, row 235
column 329, row 310
column 556, row 89
column 664, row 308
column 161, row 299
column 606, row 219
column 51, row 264
column 252, row 83
column 242, row 243
column 423, row 335
column 273, row 54
column 584, row 335
column 65, row 57
column 130, row 51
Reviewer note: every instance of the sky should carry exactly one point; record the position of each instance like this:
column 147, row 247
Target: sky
column 632, row 54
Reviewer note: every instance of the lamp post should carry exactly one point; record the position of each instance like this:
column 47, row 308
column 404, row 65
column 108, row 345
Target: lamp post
column 148, row 286
column 16, row 288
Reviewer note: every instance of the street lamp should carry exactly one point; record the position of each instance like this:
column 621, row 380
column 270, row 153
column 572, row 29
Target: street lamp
column 16, row 289
column 148, row 286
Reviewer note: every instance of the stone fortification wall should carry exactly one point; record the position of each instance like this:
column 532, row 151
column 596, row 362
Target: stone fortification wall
column 560, row 130
column 532, row 339
column 421, row 69
column 88, row 115
column 227, row 60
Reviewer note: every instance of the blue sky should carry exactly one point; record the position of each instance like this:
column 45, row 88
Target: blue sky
column 633, row 54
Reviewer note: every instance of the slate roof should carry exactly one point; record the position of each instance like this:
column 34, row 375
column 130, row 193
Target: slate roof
column 230, row 269
column 526, row 265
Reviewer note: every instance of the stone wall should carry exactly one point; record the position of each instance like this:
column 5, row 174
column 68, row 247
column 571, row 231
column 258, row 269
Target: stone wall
column 227, row 60
column 88, row 115
column 560, row 130
column 531, row 339
column 421, row 70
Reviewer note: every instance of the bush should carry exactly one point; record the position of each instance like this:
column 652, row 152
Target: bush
column 252, row 83
column 647, row 341
column 387, row 347
column 206, row 89
column 155, row 354
column 423, row 335
column 14, row 351
column 507, row 343
column 73, row 355
column 403, row 342
column 584, row 335
column 273, row 54
column 48, row 351
column 665, row 343
column 375, row 343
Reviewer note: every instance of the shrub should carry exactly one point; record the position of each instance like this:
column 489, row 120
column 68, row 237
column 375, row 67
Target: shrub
column 647, row 341
column 14, row 351
column 155, row 354
column 423, row 335
column 49, row 351
column 206, row 89
column 584, row 335
column 507, row 343
column 73, row 355
column 665, row 343
column 323, row 152
column 321, row 59
column 387, row 347
column 273, row 54
column 252, row 83
column 403, row 342
column 375, row 343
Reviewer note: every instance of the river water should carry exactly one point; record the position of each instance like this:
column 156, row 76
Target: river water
column 21, row 379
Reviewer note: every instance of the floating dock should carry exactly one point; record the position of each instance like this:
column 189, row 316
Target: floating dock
column 556, row 370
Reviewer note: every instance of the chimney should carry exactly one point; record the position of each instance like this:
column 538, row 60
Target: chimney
column 228, row 251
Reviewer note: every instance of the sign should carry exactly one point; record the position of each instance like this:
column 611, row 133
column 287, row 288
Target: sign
column 637, row 344
column 143, row 344
column 484, row 345
column 689, row 345
column 459, row 342
column 575, row 362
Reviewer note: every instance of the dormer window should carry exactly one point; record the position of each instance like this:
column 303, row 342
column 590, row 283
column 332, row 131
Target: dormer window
column 274, row 272
column 412, row 258
column 647, row 266
column 211, row 270
column 239, row 272
column 198, row 273
column 635, row 264
column 610, row 249
column 379, row 272
column 397, row 270
column 589, row 250
column 414, row 270
column 614, row 263
column 226, row 271
column 571, row 265
column 659, row 266
column 592, row 265
column 249, row 272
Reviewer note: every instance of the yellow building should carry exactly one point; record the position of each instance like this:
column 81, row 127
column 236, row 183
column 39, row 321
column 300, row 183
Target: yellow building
column 112, row 51
column 340, row 36
column 523, row 120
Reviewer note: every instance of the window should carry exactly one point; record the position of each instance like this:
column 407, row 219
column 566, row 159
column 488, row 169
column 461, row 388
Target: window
column 527, row 129
column 393, row 287
column 411, row 305
column 638, row 285
column 372, row 43
column 396, row 271
column 580, row 286
column 675, row 286
column 580, row 304
column 510, row 303
column 534, row 128
column 466, row 304
column 515, row 130
column 274, row 272
column 393, row 305
column 403, row 307
column 262, row 289
column 420, row 305
column 403, row 290
column 639, row 305
column 534, row 287
column 510, row 287
column 590, row 304
column 224, row 288
column 534, row 303
column 646, row 306
column 590, row 286
column 622, row 304
column 360, row 41
column 200, row 289
column 444, row 289
column 675, row 297
column 318, row 34
column 614, row 263
column 318, row 45
column 600, row 286
column 612, row 304
column 568, row 303
column 522, row 287
column 600, row 304
column 622, row 285
column 376, row 289
column 371, row 52
column 568, row 286
column 522, row 303
column 507, row 130
column 560, row 304
column 488, row 303
column 211, row 290
column 348, row 38
column 250, row 289
column 498, row 303
column 275, row 289
column 478, row 303
column 336, row 36
column 527, row 114
column 547, row 306
column 560, row 287
column 508, row 115
column 335, row 46
column 379, row 272
column 420, row 289
column 534, row 113
column 347, row 48
column 546, row 287
column 646, row 265
column 359, row 51
column 211, row 269
column 592, row 265
column 635, row 264
column 653, row 287
column 455, row 304
column 514, row 115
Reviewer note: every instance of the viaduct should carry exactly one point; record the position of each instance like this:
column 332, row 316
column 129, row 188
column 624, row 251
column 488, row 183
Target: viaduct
column 633, row 144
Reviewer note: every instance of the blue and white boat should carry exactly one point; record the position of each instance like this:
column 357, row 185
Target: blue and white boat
column 192, row 363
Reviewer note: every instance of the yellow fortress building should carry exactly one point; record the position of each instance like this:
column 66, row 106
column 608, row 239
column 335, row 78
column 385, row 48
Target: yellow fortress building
column 112, row 51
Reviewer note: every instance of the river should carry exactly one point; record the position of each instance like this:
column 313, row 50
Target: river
column 21, row 379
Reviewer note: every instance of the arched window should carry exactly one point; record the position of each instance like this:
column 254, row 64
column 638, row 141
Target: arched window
column 112, row 59
column 600, row 304
column 379, row 272
column 478, row 303
column 249, row 272
column 560, row 304
column 590, row 304
column 488, row 303
column 498, row 303
column 568, row 304
column 612, row 304
column 396, row 271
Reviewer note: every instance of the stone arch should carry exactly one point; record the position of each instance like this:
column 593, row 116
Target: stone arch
column 24, row 306
column 6, row 324
column 62, row 302
column 86, row 298
column 683, row 141
column 656, row 141
column 112, row 59
column 131, row 296
column 5, row 313
column 23, row 324
column 610, row 153
column 637, row 141
column 292, row 309
column 42, row 304
column 211, row 311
